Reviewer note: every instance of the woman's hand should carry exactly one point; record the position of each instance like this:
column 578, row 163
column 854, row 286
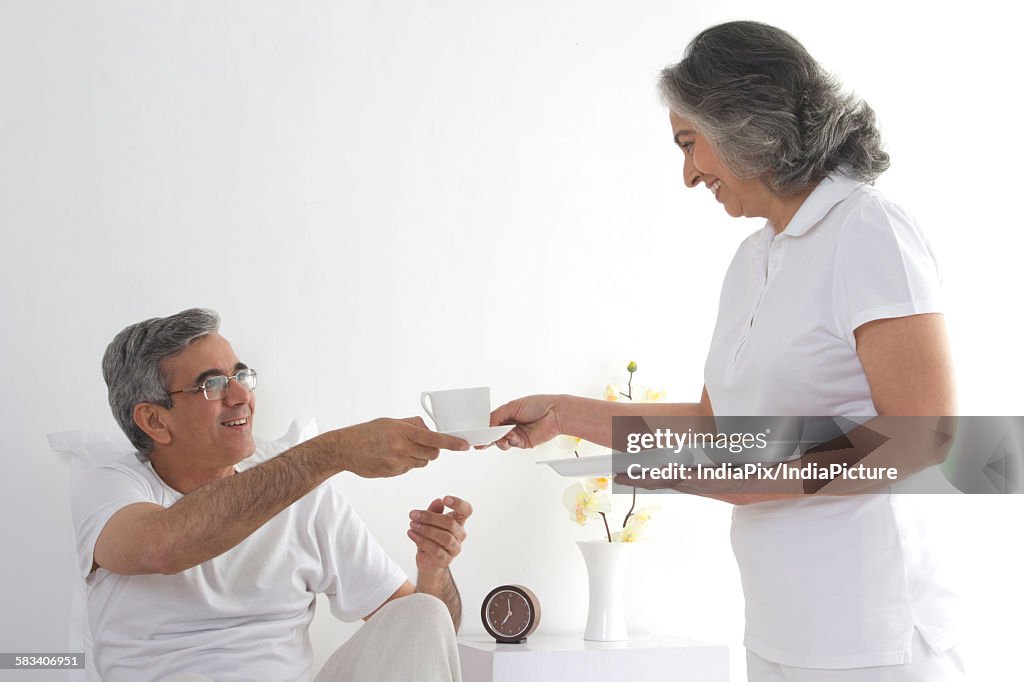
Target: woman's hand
column 535, row 417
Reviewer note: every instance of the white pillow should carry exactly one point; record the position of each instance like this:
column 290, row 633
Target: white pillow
column 87, row 450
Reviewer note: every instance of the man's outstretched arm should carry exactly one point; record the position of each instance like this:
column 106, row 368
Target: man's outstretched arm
column 147, row 538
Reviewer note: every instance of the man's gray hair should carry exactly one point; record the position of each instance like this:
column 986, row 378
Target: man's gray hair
column 770, row 111
column 131, row 364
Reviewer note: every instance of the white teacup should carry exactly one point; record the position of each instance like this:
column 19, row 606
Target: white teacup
column 458, row 409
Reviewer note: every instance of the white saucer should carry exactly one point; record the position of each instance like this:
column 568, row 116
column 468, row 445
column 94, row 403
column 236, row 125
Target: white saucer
column 484, row 436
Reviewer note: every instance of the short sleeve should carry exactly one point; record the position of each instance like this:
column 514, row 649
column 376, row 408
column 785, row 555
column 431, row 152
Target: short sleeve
column 884, row 268
column 358, row 575
column 99, row 494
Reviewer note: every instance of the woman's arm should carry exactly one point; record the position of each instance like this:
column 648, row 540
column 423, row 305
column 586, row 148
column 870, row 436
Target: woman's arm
column 910, row 374
column 908, row 365
column 909, row 370
column 539, row 418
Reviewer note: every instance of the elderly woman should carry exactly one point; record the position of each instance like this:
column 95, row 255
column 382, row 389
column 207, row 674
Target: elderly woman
column 830, row 309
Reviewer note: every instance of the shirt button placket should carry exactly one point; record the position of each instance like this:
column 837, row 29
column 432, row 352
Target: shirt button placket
column 769, row 266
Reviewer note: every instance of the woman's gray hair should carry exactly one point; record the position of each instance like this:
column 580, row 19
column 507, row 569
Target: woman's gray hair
column 770, row 111
column 131, row 364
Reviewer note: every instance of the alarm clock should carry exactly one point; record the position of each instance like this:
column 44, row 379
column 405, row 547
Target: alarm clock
column 510, row 613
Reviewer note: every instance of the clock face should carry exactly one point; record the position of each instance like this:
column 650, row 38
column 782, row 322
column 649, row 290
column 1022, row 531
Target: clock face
column 508, row 614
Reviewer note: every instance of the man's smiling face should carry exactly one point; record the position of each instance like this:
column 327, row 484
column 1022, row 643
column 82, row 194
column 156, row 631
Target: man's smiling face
column 209, row 433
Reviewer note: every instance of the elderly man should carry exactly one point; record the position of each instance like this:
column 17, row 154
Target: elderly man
column 202, row 562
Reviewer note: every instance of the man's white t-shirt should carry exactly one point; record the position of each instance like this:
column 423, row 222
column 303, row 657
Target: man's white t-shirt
column 829, row 582
column 240, row 616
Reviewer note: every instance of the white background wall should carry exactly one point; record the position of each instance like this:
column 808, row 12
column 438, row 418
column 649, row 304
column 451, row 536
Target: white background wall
column 387, row 197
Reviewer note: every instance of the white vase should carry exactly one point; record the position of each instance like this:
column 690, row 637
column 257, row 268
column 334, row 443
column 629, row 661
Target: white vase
column 606, row 573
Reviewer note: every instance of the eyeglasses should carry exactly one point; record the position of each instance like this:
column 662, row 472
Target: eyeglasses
column 214, row 388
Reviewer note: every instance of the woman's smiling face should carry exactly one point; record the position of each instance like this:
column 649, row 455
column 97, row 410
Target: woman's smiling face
column 740, row 198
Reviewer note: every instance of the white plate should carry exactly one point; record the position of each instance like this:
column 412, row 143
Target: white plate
column 581, row 467
column 605, row 465
column 484, row 436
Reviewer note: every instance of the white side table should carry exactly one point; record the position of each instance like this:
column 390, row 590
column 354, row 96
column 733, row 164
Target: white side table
column 557, row 658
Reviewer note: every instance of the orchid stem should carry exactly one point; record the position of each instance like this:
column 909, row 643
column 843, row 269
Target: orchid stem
column 630, row 512
column 607, row 530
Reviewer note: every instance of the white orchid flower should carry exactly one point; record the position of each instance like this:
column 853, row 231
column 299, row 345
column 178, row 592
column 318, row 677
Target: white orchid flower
column 585, row 502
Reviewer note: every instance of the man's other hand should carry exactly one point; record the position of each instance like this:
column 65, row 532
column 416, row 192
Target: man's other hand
column 438, row 536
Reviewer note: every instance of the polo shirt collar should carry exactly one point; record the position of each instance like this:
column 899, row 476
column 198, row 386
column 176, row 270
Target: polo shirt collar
column 829, row 192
